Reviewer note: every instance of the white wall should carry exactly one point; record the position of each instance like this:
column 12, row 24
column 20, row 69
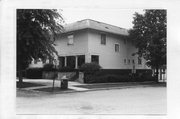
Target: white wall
column 88, row 42
column 78, row 48
column 108, row 58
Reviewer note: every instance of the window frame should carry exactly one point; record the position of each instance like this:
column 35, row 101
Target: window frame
column 118, row 47
column 129, row 61
column 125, row 61
column 70, row 37
column 103, row 39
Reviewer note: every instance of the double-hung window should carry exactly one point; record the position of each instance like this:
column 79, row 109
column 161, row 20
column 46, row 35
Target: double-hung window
column 70, row 40
column 117, row 47
column 103, row 39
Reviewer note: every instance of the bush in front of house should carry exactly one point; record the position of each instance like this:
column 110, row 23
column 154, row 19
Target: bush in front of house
column 66, row 69
column 49, row 67
column 119, row 75
column 34, row 73
column 144, row 76
column 108, row 78
column 90, row 68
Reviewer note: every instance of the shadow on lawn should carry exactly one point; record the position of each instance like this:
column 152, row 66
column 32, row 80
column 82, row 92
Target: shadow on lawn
column 50, row 89
column 27, row 85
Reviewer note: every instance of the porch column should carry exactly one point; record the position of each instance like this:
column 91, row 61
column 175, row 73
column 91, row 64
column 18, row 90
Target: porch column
column 76, row 62
column 65, row 61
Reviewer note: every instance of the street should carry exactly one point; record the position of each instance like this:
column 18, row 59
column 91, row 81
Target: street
column 137, row 100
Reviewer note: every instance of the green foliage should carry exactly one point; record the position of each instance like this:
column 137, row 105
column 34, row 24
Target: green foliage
column 149, row 36
column 66, row 69
column 90, row 67
column 34, row 73
column 36, row 32
column 48, row 67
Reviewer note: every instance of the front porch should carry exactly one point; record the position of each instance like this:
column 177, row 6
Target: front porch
column 75, row 61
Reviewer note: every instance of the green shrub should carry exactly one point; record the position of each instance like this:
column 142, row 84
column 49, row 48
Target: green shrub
column 107, row 78
column 66, row 69
column 90, row 68
column 48, row 67
column 34, row 73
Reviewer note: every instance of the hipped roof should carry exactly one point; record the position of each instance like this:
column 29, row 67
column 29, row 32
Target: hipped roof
column 92, row 24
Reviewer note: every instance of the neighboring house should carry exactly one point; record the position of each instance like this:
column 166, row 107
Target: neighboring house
column 92, row 41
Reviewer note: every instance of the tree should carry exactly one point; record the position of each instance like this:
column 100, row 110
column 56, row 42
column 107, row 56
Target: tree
column 149, row 36
column 36, row 32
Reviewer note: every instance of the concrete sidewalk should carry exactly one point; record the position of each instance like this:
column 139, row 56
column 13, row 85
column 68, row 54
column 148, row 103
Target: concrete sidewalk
column 74, row 86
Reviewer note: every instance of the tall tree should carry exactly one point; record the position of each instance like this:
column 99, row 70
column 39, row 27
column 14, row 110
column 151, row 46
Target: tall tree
column 36, row 32
column 149, row 36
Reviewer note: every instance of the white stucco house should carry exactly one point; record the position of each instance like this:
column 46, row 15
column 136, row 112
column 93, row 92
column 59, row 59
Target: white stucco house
column 93, row 41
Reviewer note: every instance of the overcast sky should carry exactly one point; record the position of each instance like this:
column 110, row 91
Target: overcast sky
column 118, row 17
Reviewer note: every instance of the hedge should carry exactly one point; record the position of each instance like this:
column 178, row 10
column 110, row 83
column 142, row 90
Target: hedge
column 116, row 75
column 34, row 73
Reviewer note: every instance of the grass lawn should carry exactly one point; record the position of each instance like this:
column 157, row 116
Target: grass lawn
column 27, row 84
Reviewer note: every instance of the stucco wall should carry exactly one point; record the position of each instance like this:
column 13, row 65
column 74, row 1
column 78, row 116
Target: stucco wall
column 79, row 47
column 88, row 42
column 108, row 58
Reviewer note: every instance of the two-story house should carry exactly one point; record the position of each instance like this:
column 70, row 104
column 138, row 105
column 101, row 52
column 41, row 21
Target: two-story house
column 92, row 41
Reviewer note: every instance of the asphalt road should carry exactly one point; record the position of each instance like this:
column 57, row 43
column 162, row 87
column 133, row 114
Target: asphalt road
column 142, row 100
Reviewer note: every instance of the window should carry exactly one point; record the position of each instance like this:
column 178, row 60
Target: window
column 95, row 58
column 81, row 60
column 116, row 47
column 139, row 61
column 125, row 61
column 103, row 39
column 133, row 61
column 70, row 40
column 129, row 61
column 125, row 41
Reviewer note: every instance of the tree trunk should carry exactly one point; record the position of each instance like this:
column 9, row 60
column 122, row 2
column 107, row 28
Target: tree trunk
column 157, row 73
column 20, row 78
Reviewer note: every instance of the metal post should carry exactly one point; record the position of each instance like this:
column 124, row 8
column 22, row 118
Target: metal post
column 65, row 61
column 76, row 62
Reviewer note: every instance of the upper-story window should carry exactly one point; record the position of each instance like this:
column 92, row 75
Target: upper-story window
column 70, row 40
column 125, row 41
column 129, row 61
column 103, row 39
column 125, row 62
column 139, row 61
column 133, row 61
column 117, row 47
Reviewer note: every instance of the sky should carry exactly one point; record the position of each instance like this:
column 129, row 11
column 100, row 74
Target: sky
column 118, row 17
